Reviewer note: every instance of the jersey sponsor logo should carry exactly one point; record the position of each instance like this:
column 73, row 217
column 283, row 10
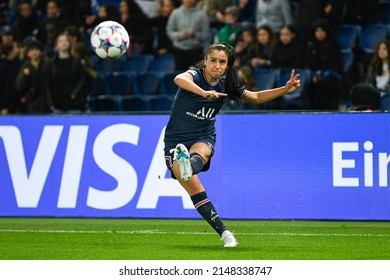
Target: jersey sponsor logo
column 204, row 113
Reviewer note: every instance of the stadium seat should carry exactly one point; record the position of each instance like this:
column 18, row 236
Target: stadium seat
column 163, row 64
column 348, row 58
column 95, row 60
column 97, row 86
column 9, row 16
column 371, row 35
column 160, row 103
column 168, row 87
column 384, row 12
column 133, row 103
column 385, row 102
column 266, row 78
column 137, row 63
column 146, row 84
column 104, row 103
column 106, row 67
column 118, row 83
column 293, row 99
column 348, row 35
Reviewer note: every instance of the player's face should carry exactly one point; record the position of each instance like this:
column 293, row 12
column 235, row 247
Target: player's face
column 216, row 64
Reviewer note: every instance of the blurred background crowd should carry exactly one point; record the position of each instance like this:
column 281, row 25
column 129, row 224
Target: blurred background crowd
column 47, row 64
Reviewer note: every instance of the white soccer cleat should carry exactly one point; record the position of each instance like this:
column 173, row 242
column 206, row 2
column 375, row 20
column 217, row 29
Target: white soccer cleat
column 183, row 158
column 228, row 239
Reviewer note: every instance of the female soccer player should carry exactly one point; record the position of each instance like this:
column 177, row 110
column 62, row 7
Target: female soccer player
column 190, row 133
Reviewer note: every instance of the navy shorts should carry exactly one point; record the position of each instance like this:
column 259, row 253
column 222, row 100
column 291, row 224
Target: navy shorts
column 169, row 152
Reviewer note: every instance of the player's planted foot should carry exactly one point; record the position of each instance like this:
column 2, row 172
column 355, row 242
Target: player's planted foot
column 183, row 158
column 228, row 239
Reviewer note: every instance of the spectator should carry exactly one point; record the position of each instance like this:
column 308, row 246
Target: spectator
column 264, row 45
column 214, row 9
column 26, row 22
column 288, row 52
column 31, row 80
column 159, row 23
column 75, row 36
column 106, row 11
column 36, row 4
column 66, row 80
column 246, row 73
column 138, row 26
column 4, row 4
column 308, row 11
column 364, row 97
column 9, row 67
column 247, row 12
column 378, row 70
column 228, row 32
column 80, row 51
column 76, row 10
column 325, row 60
column 7, row 34
column 51, row 31
column 53, row 24
column 2, row 18
column 244, row 47
column 188, row 28
column 361, row 12
column 275, row 13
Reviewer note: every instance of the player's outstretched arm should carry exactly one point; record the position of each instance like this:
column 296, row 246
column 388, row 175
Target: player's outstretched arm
column 264, row 96
column 185, row 81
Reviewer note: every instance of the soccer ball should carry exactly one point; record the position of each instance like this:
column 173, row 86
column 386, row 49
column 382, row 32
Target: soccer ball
column 109, row 40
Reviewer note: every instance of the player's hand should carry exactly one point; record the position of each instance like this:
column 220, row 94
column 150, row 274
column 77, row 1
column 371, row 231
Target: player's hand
column 212, row 94
column 293, row 83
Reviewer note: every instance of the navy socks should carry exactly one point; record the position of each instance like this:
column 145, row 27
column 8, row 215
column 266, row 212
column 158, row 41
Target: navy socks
column 207, row 211
column 197, row 163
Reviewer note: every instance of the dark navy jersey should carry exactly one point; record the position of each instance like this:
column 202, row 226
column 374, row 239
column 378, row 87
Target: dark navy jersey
column 193, row 116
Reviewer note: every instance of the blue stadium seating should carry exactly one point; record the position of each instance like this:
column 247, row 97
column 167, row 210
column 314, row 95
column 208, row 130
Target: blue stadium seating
column 97, row 86
column 168, row 87
column 104, row 103
column 118, row 83
column 146, row 84
column 371, row 35
column 163, row 64
column 266, row 78
column 138, row 63
column 133, row 103
column 108, row 66
column 348, row 59
column 293, row 99
column 385, row 102
column 160, row 103
column 348, row 36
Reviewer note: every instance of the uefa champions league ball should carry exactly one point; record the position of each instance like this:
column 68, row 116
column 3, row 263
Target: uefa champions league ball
column 109, row 40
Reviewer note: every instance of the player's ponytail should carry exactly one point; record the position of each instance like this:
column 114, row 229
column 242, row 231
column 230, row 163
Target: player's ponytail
column 233, row 83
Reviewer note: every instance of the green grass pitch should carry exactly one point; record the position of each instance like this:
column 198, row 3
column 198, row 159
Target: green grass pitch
column 171, row 239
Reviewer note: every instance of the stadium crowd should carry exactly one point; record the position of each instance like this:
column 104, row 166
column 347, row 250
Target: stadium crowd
column 47, row 64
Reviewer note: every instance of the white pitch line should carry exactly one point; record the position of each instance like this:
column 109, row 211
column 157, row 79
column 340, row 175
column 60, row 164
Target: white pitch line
column 156, row 232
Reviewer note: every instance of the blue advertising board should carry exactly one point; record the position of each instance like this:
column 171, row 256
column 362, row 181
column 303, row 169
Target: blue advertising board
column 266, row 166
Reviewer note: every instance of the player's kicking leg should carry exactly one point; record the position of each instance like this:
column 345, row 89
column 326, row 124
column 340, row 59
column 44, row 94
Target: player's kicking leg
column 200, row 200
